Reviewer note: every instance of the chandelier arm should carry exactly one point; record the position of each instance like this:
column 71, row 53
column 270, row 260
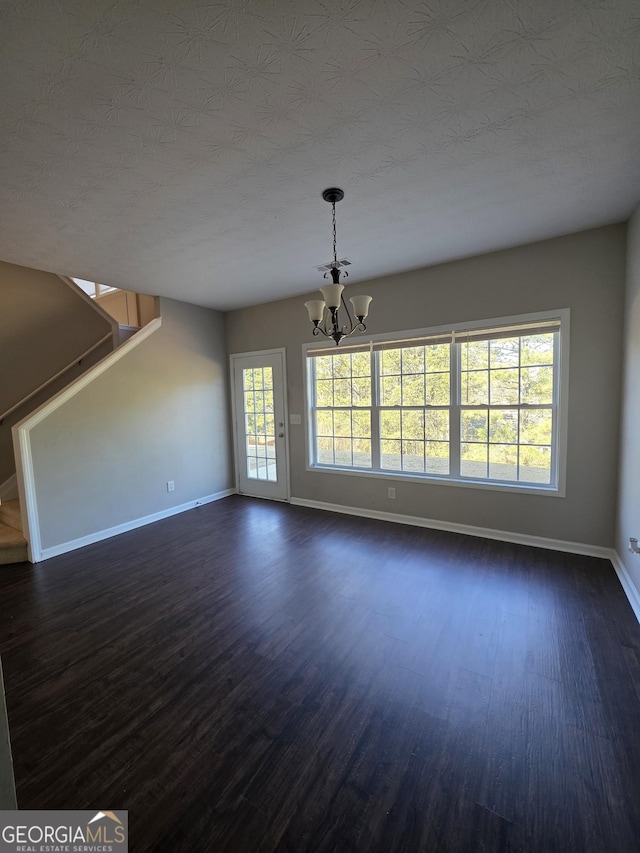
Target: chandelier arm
column 317, row 330
column 330, row 324
column 335, row 322
column 351, row 326
column 359, row 327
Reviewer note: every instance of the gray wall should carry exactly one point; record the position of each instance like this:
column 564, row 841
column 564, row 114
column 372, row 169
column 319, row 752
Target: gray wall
column 44, row 325
column 160, row 413
column 629, row 494
column 584, row 272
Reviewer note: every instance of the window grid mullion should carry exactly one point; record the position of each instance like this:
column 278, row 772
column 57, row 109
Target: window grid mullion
column 375, row 358
column 455, row 409
column 519, row 408
column 505, row 406
column 490, row 366
column 555, row 407
column 518, row 445
column 313, row 429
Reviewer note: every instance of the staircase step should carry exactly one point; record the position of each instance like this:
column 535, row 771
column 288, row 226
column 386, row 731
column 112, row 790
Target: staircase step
column 9, row 556
column 10, row 514
column 13, row 545
column 126, row 332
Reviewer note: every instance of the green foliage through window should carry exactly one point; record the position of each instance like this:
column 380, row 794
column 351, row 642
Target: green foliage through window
column 484, row 408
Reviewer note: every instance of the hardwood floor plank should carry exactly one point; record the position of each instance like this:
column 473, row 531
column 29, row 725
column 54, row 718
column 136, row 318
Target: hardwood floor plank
column 252, row 676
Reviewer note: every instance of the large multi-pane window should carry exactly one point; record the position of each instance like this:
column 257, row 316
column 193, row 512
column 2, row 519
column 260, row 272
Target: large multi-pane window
column 475, row 405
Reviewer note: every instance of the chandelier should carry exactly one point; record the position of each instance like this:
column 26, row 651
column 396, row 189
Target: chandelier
column 327, row 322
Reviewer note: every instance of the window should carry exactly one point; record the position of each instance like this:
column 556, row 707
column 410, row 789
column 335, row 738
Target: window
column 93, row 288
column 343, row 410
column 471, row 405
column 415, row 393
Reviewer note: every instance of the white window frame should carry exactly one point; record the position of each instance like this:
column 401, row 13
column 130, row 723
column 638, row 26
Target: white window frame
column 561, row 382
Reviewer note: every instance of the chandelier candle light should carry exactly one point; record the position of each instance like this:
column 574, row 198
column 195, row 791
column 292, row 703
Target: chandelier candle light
column 328, row 324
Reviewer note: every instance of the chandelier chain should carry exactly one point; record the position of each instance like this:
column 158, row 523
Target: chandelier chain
column 335, row 254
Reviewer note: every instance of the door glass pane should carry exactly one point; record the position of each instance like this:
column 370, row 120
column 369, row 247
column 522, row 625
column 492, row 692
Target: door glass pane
column 261, row 427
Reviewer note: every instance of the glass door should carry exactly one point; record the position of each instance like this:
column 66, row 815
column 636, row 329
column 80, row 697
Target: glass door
column 260, row 424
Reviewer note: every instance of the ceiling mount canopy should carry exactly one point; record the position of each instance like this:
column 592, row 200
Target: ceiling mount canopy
column 333, row 195
column 323, row 313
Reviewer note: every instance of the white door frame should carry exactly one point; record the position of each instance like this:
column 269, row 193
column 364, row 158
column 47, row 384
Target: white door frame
column 280, row 351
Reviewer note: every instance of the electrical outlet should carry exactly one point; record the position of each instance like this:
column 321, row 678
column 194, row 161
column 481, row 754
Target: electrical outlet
column 391, row 492
column 171, row 486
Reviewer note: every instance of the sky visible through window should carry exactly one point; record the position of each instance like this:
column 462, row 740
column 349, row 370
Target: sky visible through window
column 93, row 288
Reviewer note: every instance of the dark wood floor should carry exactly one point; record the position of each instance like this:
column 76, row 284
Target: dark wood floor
column 251, row 676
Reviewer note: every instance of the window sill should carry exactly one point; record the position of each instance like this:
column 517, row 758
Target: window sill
column 399, row 477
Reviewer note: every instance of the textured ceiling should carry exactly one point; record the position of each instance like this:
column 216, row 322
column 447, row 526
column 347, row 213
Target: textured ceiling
column 181, row 148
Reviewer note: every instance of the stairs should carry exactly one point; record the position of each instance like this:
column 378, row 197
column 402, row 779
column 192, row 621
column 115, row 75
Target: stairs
column 126, row 332
column 13, row 545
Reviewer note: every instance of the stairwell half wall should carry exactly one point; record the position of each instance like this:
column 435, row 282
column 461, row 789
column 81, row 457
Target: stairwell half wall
column 101, row 459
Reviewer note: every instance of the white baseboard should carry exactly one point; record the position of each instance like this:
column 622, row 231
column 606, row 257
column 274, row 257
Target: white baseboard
column 465, row 529
column 9, row 489
column 630, row 589
column 100, row 535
